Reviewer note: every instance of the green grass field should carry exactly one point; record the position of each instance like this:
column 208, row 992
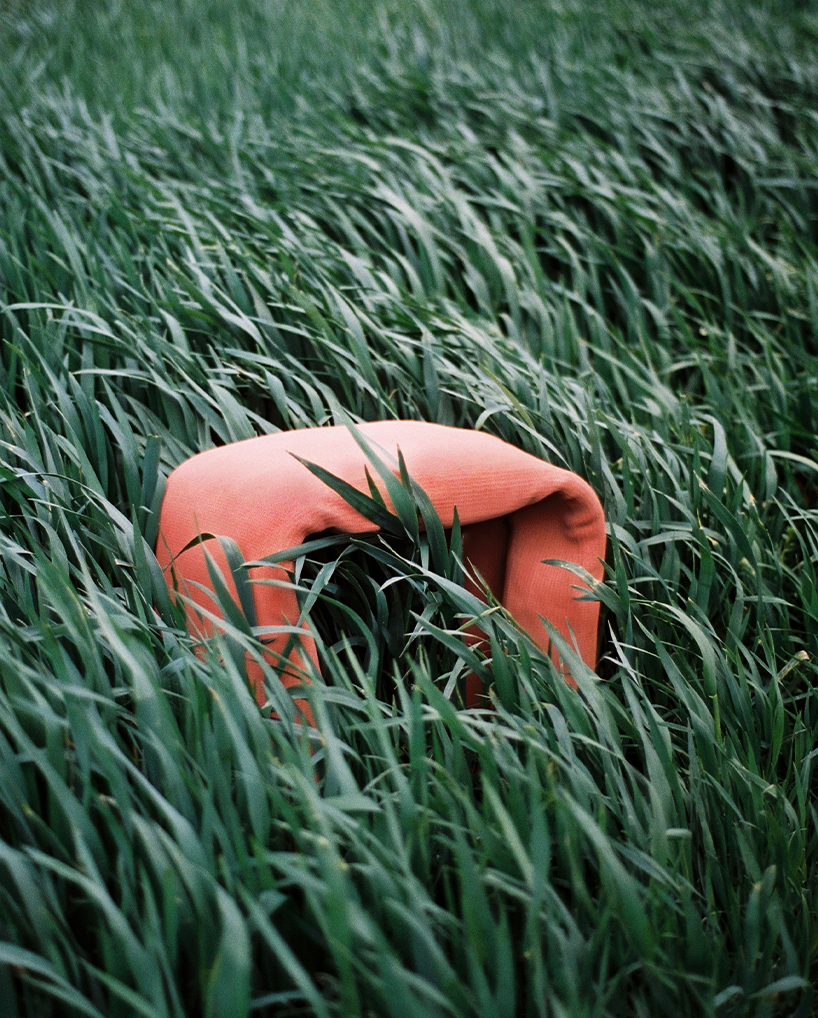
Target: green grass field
column 589, row 228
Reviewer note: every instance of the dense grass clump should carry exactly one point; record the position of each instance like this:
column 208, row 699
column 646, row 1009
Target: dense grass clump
column 588, row 228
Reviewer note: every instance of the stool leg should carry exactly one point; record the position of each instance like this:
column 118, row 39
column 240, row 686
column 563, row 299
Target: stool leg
column 555, row 528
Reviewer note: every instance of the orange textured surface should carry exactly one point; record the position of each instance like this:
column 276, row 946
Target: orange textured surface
column 515, row 511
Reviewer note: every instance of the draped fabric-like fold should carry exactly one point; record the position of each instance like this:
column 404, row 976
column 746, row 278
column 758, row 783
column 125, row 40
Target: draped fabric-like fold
column 515, row 511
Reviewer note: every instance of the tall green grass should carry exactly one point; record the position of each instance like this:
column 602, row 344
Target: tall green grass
column 590, row 229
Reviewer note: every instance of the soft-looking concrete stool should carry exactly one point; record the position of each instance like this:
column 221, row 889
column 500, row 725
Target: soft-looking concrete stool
column 515, row 511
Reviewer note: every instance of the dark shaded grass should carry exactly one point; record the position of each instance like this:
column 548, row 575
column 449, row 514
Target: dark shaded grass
column 590, row 230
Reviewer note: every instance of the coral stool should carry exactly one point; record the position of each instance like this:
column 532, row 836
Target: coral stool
column 515, row 511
